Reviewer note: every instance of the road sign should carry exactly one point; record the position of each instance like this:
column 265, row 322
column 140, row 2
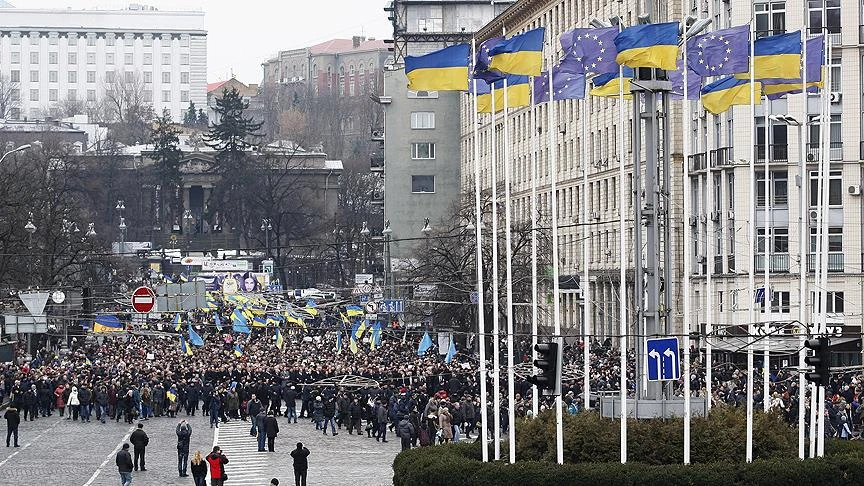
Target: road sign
column 371, row 307
column 363, row 298
column 365, row 288
column 664, row 361
column 143, row 300
column 392, row 306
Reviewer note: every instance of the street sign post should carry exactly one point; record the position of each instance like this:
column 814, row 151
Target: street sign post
column 143, row 300
column 664, row 360
column 371, row 307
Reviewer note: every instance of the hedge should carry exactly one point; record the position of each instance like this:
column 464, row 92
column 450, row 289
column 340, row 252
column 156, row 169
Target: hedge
column 592, row 455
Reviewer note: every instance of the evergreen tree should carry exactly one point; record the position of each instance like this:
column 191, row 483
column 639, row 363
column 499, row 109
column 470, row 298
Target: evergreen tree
column 167, row 156
column 232, row 132
column 203, row 120
column 190, row 119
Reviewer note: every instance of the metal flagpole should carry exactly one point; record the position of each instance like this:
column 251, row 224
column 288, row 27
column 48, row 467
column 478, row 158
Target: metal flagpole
column 496, row 336
column 481, row 318
column 709, row 233
column 556, row 290
column 508, row 224
column 688, row 324
column 622, row 262
column 535, row 397
column 803, row 253
column 751, row 240
column 824, row 169
column 585, row 285
column 709, row 326
column 766, row 262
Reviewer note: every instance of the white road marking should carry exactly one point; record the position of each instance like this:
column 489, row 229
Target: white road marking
column 30, row 443
column 108, row 458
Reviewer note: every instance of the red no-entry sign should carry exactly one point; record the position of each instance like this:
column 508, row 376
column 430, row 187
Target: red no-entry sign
column 143, row 300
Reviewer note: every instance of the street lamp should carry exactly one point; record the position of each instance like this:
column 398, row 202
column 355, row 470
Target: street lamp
column 364, row 232
column 17, row 149
column 266, row 227
column 30, row 228
column 388, row 232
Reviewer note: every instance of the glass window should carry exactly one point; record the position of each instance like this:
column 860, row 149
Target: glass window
column 166, row 59
column 422, row 120
column 422, row 183
column 835, row 188
column 422, row 150
column 72, row 95
column 184, row 96
column 15, row 94
column 91, row 76
column 148, row 96
column 91, row 40
column 109, row 58
column 34, row 95
column 779, row 188
column 91, row 58
column 52, row 58
column 15, row 39
column 781, row 240
column 166, row 96
column 15, row 76
column 148, row 58
column 770, row 18
column 52, row 76
column 824, row 14
column 148, row 41
column 835, row 240
column 127, row 58
column 34, row 58
column 73, row 58
column 15, row 57
column 184, row 40
column 52, row 95
column 91, row 95
column 166, row 77
column 129, row 77
column 34, row 76
column 72, row 76
column 110, row 39
column 184, row 59
column 109, row 76
column 184, row 78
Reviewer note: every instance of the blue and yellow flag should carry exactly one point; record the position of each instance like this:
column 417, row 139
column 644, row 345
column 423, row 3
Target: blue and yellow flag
column 238, row 351
column 218, row 321
column 607, row 85
column 375, row 340
column 776, row 57
column 279, row 339
column 521, row 54
column 194, row 338
column 87, row 361
column 107, row 323
column 815, row 49
column 259, row 321
column 517, row 90
column 648, row 46
column 239, row 322
column 339, row 341
column 171, row 395
column 352, row 345
column 358, row 332
column 354, row 310
column 311, row 308
column 184, row 278
column 724, row 93
column 184, row 347
column 443, row 70
column 178, row 322
column 210, row 302
column 344, row 318
column 293, row 318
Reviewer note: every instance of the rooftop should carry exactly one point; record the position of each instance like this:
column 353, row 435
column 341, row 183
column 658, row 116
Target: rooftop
column 343, row 46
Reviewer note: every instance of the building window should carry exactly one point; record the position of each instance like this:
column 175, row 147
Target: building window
column 148, row 41
column 166, row 59
column 430, row 20
column 110, row 40
column 770, row 18
column 109, row 58
column 835, row 240
column 148, row 96
column 52, row 76
column 91, row 58
column 34, row 95
column 779, row 302
column 109, row 76
column 148, row 77
column 91, row 76
column 34, row 58
column 184, row 59
column 72, row 76
column 129, row 40
column 128, row 77
column 166, row 96
column 91, row 40
column 15, row 39
column 148, row 58
column 15, row 94
column 422, row 150
column 34, row 76
column 15, row 76
column 15, row 57
column 72, row 95
column 423, row 120
column 184, row 41
column 166, row 77
column 127, row 58
column 73, row 58
column 52, row 58
column 779, row 187
column 836, row 80
column 422, row 183
column 52, row 39
column 52, row 95
column 184, row 78
column 824, row 14
column 91, row 95
column 184, row 96
column 835, row 188
column 779, row 240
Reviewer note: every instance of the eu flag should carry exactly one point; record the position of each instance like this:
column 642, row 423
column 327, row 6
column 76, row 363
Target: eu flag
column 594, row 49
column 720, row 52
column 482, row 60
column 567, row 86
column 648, row 46
column 676, row 77
column 443, row 70
column 521, row 54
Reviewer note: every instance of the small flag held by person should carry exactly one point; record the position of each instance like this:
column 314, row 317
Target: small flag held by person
column 425, row 344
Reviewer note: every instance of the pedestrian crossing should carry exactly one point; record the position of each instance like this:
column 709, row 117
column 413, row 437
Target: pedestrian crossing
column 246, row 465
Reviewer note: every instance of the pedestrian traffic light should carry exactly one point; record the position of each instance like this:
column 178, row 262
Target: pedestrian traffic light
column 549, row 363
column 820, row 360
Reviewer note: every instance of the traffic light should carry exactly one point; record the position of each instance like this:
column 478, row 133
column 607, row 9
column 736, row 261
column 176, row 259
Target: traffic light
column 820, row 360
column 549, row 362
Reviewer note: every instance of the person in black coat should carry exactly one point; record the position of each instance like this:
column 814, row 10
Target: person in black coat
column 139, row 440
column 301, row 464
column 13, row 419
column 124, row 465
column 271, row 429
column 289, row 395
column 184, row 433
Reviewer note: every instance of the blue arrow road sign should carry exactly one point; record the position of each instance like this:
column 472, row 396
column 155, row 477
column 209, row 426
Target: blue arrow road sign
column 392, row 306
column 664, row 361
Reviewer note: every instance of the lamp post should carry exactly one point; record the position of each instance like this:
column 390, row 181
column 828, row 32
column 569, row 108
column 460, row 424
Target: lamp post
column 16, row 149
column 266, row 227
column 388, row 267
column 30, row 228
column 120, row 207
column 364, row 232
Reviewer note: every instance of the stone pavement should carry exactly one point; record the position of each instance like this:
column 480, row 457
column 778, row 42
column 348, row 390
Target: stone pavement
column 63, row 452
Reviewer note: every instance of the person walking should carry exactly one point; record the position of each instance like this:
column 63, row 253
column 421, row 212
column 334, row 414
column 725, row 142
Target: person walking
column 301, row 464
column 329, row 415
column 381, row 418
column 216, row 461
column 184, row 433
column 271, row 428
column 259, row 425
column 405, row 430
column 13, row 419
column 199, row 469
column 124, row 465
column 139, row 440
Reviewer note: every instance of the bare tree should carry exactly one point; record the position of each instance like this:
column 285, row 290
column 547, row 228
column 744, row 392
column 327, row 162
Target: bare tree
column 9, row 96
column 127, row 108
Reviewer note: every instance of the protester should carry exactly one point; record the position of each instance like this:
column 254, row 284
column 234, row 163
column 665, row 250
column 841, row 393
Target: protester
column 139, row 440
column 184, row 434
column 13, row 419
column 301, row 464
column 216, row 460
column 271, row 428
column 199, row 469
column 124, row 465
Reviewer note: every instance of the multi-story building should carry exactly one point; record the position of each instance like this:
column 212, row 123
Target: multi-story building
column 421, row 159
column 718, row 163
column 51, row 58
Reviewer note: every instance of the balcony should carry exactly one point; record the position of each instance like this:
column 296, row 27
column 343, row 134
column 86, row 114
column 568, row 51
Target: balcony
column 833, row 36
column 835, row 150
column 777, row 153
column 697, row 162
column 376, row 163
column 779, row 263
column 722, row 157
column 836, row 262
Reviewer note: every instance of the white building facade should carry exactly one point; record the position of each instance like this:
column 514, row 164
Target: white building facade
column 49, row 58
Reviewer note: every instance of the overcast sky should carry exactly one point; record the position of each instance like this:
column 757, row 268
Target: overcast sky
column 241, row 35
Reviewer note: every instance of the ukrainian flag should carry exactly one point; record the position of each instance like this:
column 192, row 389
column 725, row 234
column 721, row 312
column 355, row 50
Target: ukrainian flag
column 353, row 345
column 218, row 321
column 178, row 321
column 238, row 351
column 311, row 308
column 107, row 324
column 358, row 333
column 444, row 70
column 184, row 347
column 649, row 46
column 339, row 341
column 776, row 57
column 354, row 310
column 607, row 85
column 171, row 395
column 521, row 54
column 343, row 317
column 517, row 91
column 259, row 321
column 279, row 339
column 720, row 95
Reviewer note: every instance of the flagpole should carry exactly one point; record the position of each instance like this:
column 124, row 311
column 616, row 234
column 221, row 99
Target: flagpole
column 766, row 262
column 622, row 275
column 478, row 240
column 496, row 344
column 709, row 326
column 586, row 284
column 803, row 244
column 508, row 225
column 556, row 290
column 825, row 167
column 688, row 324
column 535, row 398
column 751, row 232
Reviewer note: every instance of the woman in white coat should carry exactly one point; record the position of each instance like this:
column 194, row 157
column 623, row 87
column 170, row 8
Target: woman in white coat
column 73, row 404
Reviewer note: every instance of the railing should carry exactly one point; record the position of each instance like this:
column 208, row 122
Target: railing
column 835, row 150
column 836, row 262
column 834, row 34
column 778, row 152
column 779, row 263
column 697, row 162
column 721, row 157
column 376, row 163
